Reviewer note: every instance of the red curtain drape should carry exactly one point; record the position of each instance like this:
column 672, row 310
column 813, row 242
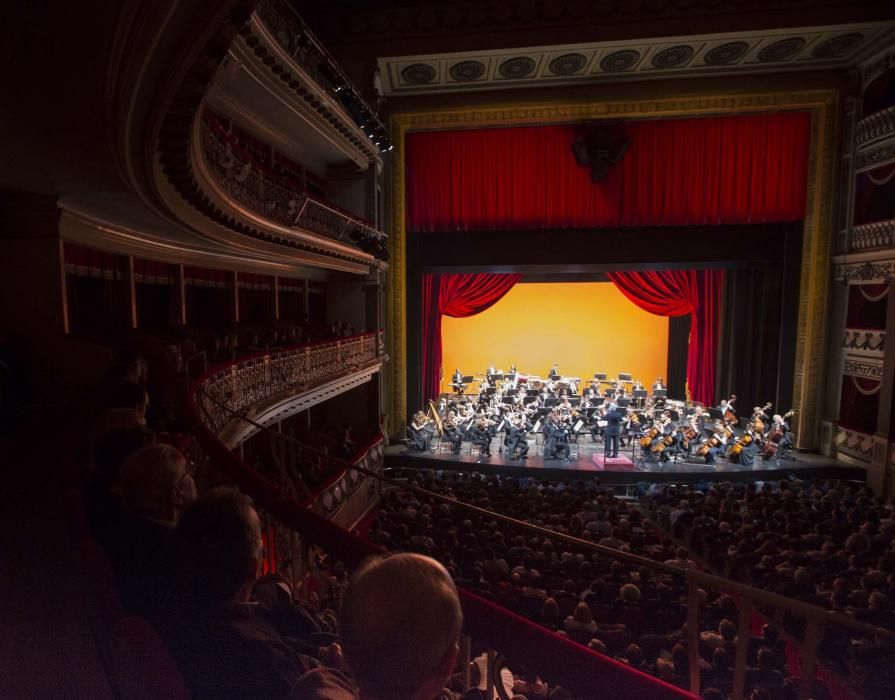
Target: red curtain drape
column 677, row 293
column 700, row 171
column 456, row 295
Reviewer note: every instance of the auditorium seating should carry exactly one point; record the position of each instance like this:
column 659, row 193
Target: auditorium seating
column 591, row 597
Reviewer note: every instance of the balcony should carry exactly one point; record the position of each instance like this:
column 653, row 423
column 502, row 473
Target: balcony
column 268, row 387
column 873, row 236
column 240, row 176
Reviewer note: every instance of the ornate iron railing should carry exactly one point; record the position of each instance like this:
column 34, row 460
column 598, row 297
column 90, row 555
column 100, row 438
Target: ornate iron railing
column 239, row 385
column 874, row 235
column 250, row 183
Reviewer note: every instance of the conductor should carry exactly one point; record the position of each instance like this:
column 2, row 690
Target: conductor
column 613, row 428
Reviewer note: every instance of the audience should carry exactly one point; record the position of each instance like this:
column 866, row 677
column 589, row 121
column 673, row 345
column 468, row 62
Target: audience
column 638, row 616
column 223, row 647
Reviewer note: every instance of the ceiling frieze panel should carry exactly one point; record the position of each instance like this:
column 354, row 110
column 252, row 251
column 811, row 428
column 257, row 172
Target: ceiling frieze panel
column 817, row 48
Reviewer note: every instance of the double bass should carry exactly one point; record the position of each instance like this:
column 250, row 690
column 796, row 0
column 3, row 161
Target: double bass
column 729, row 415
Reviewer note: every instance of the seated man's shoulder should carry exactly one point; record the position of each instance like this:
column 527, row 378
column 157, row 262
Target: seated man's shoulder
column 324, row 683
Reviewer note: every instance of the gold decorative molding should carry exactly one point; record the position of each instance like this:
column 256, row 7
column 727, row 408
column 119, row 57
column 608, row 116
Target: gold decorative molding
column 808, row 379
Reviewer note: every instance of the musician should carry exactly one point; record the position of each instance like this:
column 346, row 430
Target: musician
column 788, row 439
column 516, row 437
column 554, row 373
column 747, row 454
column 727, row 410
column 720, row 436
column 760, row 419
column 480, row 435
column 457, row 381
column 659, row 385
column 565, row 406
column 420, row 432
column 613, row 429
column 556, row 446
column 452, row 432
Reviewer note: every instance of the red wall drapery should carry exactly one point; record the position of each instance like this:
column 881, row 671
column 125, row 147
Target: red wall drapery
column 698, row 171
column 455, row 295
column 677, row 293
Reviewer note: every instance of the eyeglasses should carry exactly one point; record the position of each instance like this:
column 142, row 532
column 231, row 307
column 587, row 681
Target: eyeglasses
column 189, row 470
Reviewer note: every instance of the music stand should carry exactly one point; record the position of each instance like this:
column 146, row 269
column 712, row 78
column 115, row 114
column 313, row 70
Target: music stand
column 623, row 403
column 550, row 403
column 660, row 393
column 625, row 377
column 600, row 376
column 468, row 380
column 532, row 392
column 638, row 394
column 715, row 414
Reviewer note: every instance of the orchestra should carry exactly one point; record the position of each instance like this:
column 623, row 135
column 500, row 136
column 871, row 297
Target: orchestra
column 620, row 413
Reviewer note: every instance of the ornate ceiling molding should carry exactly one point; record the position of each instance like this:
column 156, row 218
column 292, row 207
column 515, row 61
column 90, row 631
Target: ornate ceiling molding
column 816, row 48
column 258, row 51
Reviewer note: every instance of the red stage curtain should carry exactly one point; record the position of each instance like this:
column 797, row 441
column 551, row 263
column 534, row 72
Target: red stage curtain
column 455, row 295
column 676, row 293
column 698, row 171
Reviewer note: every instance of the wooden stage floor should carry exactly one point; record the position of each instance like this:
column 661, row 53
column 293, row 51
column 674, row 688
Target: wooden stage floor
column 633, row 469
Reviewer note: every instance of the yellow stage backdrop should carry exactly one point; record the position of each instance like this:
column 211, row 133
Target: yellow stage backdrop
column 586, row 327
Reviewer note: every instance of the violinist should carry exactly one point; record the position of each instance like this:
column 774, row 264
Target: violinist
column 452, row 432
column 565, row 406
column 480, row 435
column 516, row 437
column 556, row 446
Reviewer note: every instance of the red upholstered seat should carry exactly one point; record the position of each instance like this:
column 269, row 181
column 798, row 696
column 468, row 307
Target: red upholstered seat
column 142, row 665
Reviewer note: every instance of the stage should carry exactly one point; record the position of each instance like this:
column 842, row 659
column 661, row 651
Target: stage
column 631, row 469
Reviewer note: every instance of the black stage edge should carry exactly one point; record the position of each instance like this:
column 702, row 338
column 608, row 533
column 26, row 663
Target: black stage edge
column 806, row 466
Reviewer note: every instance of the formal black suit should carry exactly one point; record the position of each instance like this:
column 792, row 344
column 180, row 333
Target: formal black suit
column 516, row 439
column 556, row 445
column 613, row 430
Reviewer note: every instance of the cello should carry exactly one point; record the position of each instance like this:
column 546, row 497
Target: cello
column 773, row 443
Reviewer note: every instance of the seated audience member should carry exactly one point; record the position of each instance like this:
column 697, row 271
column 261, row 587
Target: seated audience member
column 400, row 627
column 580, row 625
column 156, row 486
column 765, row 676
column 223, row 649
column 130, row 395
column 102, row 497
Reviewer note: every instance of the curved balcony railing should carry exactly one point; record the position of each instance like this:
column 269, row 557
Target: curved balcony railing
column 234, row 387
column 339, row 491
column 875, row 126
column 243, row 178
column 872, row 236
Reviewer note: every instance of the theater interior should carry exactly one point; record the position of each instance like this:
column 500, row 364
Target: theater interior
column 497, row 284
